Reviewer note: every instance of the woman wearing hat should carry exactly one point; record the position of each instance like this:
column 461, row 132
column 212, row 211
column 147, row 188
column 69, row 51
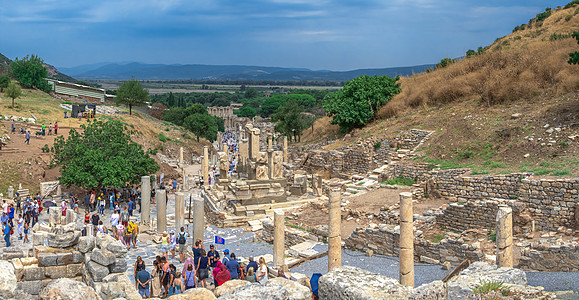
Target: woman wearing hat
column 173, row 243
column 165, row 244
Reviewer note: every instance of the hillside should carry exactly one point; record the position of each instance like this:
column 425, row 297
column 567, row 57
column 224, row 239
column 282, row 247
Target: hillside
column 514, row 108
column 28, row 165
column 52, row 71
column 226, row 72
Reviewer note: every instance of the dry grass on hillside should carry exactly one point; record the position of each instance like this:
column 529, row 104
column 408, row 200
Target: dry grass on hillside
column 494, row 77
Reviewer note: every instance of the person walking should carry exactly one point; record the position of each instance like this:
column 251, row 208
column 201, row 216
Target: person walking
column 165, row 244
column 139, row 265
column 173, row 244
column 13, row 126
column 26, row 229
column 182, row 241
column 233, row 267
column 203, row 268
column 55, row 128
column 125, row 217
column 189, row 277
column 6, row 233
column 27, row 137
column 50, row 129
column 213, row 256
column 131, row 206
column 43, row 129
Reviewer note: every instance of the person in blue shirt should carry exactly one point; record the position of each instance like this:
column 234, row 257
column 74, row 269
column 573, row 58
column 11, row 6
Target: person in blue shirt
column 233, row 267
column 226, row 256
column 6, row 234
column 131, row 206
column 251, row 264
column 4, row 219
column 112, row 200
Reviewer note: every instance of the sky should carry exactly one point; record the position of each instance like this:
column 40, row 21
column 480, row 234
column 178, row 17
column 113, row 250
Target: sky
column 318, row 35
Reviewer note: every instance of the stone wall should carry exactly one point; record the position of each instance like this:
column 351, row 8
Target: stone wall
column 550, row 258
column 293, row 236
column 384, row 240
column 474, row 215
column 551, row 202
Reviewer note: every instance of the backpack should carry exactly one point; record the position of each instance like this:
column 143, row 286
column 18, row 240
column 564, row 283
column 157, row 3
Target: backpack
column 182, row 239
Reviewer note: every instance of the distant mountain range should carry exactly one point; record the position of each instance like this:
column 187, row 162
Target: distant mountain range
column 224, row 72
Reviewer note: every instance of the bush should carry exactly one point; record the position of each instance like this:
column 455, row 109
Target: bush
column 516, row 38
column 400, row 181
column 445, row 62
column 163, row 138
column 572, row 3
column 377, row 146
column 568, row 17
column 485, row 287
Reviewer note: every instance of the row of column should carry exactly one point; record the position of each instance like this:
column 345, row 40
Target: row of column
column 161, row 197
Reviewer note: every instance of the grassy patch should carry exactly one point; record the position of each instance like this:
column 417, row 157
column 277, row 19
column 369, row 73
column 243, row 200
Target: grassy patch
column 400, row 181
column 485, row 287
column 163, row 138
column 437, row 238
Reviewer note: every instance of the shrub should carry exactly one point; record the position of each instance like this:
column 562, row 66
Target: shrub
column 377, row 146
column 568, row 17
column 400, row 181
column 518, row 37
column 163, row 138
column 485, row 287
column 572, row 3
column 445, row 62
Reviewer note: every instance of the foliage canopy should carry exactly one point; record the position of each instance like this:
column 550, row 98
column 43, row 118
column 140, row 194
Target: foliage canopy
column 359, row 100
column 4, row 81
column 289, row 119
column 574, row 56
column 202, row 125
column 132, row 93
column 101, row 155
column 13, row 91
column 30, row 72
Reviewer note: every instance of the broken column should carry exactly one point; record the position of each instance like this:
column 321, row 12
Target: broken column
column 225, row 148
column 198, row 218
column 278, row 238
column 317, row 185
column 145, row 200
column 334, row 230
column 59, row 190
column 179, row 211
column 269, row 141
column 254, row 143
column 270, row 163
column 161, row 196
column 181, row 155
column 284, row 148
column 406, row 240
column 205, row 166
column 504, row 236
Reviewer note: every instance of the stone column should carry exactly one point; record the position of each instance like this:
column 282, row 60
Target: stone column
column 254, row 143
column 504, row 236
column 59, row 190
column 198, row 218
column 10, row 192
column 161, row 210
column 270, row 163
column 205, row 165
column 284, row 148
column 278, row 238
column 181, row 155
column 269, row 141
column 334, row 230
column 145, row 200
column 225, row 148
column 185, row 183
column 179, row 211
column 406, row 240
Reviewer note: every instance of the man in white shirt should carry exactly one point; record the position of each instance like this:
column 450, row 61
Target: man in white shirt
column 115, row 221
column 5, row 207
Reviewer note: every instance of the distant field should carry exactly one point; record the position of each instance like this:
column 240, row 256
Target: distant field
column 161, row 88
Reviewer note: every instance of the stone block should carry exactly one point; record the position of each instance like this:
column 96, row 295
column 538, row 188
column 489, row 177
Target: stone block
column 102, row 256
column 74, row 270
column 64, row 259
column 55, row 272
column 37, row 239
column 86, row 244
column 77, row 257
column 30, row 287
column 27, row 261
column 65, row 240
column 47, row 259
column 32, row 273
column 117, row 248
column 97, row 271
column 119, row 266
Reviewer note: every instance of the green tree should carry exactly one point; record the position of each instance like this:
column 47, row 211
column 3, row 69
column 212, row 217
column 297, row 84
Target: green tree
column 246, row 112
column 196, row 108
column 13, row 91
column 574, row 56
column 171, row 100
column 220, row 123
column 470, row 53
column 101, row 155
column 445, row 62
column 250, row 93
column 174, row 115
column 202, row 125
column 131, row 93
column 30, row 72
column 289, row 120
column 4, row 82
column 359, row 100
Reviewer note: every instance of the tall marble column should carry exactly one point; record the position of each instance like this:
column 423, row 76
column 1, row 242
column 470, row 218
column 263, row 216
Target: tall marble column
column 161, row 196
column 278, row 238
column 179, row 211
column 205, row 166
column 334, row 230
column 504, row 236
column 198, row 218
column 285, row 150
column 406, row 240
column 145, row 200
